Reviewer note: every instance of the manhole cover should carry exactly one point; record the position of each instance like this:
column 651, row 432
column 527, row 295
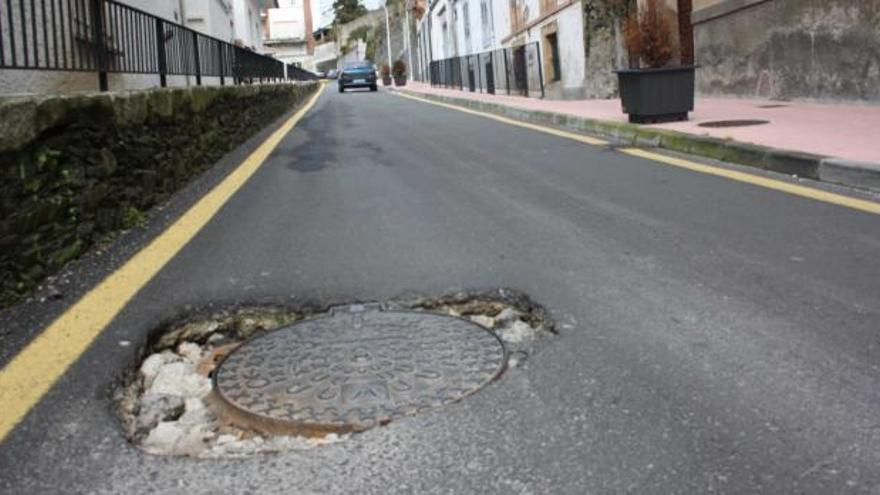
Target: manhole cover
column 733, row 123
column 355, row 369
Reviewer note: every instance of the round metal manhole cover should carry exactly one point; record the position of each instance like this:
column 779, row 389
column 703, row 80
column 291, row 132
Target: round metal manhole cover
column 733, row 123
column 353, row 370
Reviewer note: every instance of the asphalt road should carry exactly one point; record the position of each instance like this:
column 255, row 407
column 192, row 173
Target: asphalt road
column 714, row 336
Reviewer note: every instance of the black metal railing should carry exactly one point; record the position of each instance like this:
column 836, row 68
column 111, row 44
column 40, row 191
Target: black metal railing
column 511, row 70
column 105, row 36
column 298, row 73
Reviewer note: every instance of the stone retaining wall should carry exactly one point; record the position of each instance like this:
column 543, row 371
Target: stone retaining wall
column 76, row 168
column 789, row 49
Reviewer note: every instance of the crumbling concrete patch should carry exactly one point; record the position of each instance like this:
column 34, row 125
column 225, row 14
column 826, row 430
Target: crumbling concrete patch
column 167, row 405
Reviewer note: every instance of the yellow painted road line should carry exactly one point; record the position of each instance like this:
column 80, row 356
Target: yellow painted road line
column 547, row 130
column 757, row 180
column 33, row 371
column 778, row 185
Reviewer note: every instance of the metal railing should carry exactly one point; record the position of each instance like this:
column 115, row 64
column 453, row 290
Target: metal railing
column 300, row 74
column 512, row 70
column 105, row 36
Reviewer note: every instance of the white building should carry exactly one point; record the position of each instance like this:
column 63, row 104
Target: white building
column 546, row 38
column 327, row 55
column 558, row 27
column 234, row 21
column 322, row 13
column 288, row 34
column 248, row 23
column 213, row 17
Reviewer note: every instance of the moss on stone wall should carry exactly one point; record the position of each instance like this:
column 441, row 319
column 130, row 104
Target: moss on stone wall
column 76, row 168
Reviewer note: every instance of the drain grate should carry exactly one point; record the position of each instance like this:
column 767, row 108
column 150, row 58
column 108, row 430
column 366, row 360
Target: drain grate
column 733, row 123
column 354, row 369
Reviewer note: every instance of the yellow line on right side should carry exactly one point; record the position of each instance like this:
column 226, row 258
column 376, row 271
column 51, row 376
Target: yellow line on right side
column 757, row 180
column 546, row 130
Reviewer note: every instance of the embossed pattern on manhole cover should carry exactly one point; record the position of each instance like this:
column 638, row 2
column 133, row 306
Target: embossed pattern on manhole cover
column 353, row 370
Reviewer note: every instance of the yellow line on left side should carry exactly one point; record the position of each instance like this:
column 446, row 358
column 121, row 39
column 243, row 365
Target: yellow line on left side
column 36, row 368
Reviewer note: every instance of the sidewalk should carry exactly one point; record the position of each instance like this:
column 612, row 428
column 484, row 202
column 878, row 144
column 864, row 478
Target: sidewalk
column 851, row 132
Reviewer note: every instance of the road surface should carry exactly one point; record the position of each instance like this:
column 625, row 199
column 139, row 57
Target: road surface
column 715, row 336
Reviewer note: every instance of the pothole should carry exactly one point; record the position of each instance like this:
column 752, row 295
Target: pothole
column 733, row 123
column 265, row 379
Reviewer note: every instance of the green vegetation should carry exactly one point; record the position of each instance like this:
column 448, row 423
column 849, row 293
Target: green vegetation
column 360, row 33
column 85, row 167
column 347, row 10
column 363, row 33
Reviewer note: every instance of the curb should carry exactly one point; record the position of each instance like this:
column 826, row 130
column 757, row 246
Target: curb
column 862, row 175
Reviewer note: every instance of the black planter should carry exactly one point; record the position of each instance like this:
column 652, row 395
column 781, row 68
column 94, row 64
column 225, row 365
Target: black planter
column 400, row 81
column 386, row 80
column 657, row 95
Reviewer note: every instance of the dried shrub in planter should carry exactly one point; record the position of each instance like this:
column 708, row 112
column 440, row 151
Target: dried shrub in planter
column 632, row 39
column 399, row 68
column 648, row 33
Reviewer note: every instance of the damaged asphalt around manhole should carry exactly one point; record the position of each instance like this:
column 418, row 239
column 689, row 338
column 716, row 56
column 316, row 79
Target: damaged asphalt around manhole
column 257, row 380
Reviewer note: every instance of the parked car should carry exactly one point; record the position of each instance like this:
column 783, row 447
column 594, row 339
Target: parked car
column 331, row 74
column 358, row 75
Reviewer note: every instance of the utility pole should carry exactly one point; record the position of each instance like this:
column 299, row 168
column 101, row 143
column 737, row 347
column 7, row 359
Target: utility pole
column 420, row 50
column 406, row 33
column 387, row 33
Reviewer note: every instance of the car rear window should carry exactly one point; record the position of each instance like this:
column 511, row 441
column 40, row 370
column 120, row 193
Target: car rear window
column 358, row 65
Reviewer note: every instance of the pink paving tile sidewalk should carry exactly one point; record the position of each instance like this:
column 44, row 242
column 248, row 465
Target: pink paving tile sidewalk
column 844, row 131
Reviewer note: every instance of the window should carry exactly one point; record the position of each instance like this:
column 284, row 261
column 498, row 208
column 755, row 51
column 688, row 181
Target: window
column 453, row 31
column 447, row 51
column 486, row 23
column 466, row 20
column 516, row 16
column 551, row 57
column 547, row 6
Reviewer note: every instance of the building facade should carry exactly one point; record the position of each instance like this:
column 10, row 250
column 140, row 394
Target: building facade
column 784, row 49
column 212, row 17
column 549, row 33
column 248, row 24
column 557, row 27
column 289, row 33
